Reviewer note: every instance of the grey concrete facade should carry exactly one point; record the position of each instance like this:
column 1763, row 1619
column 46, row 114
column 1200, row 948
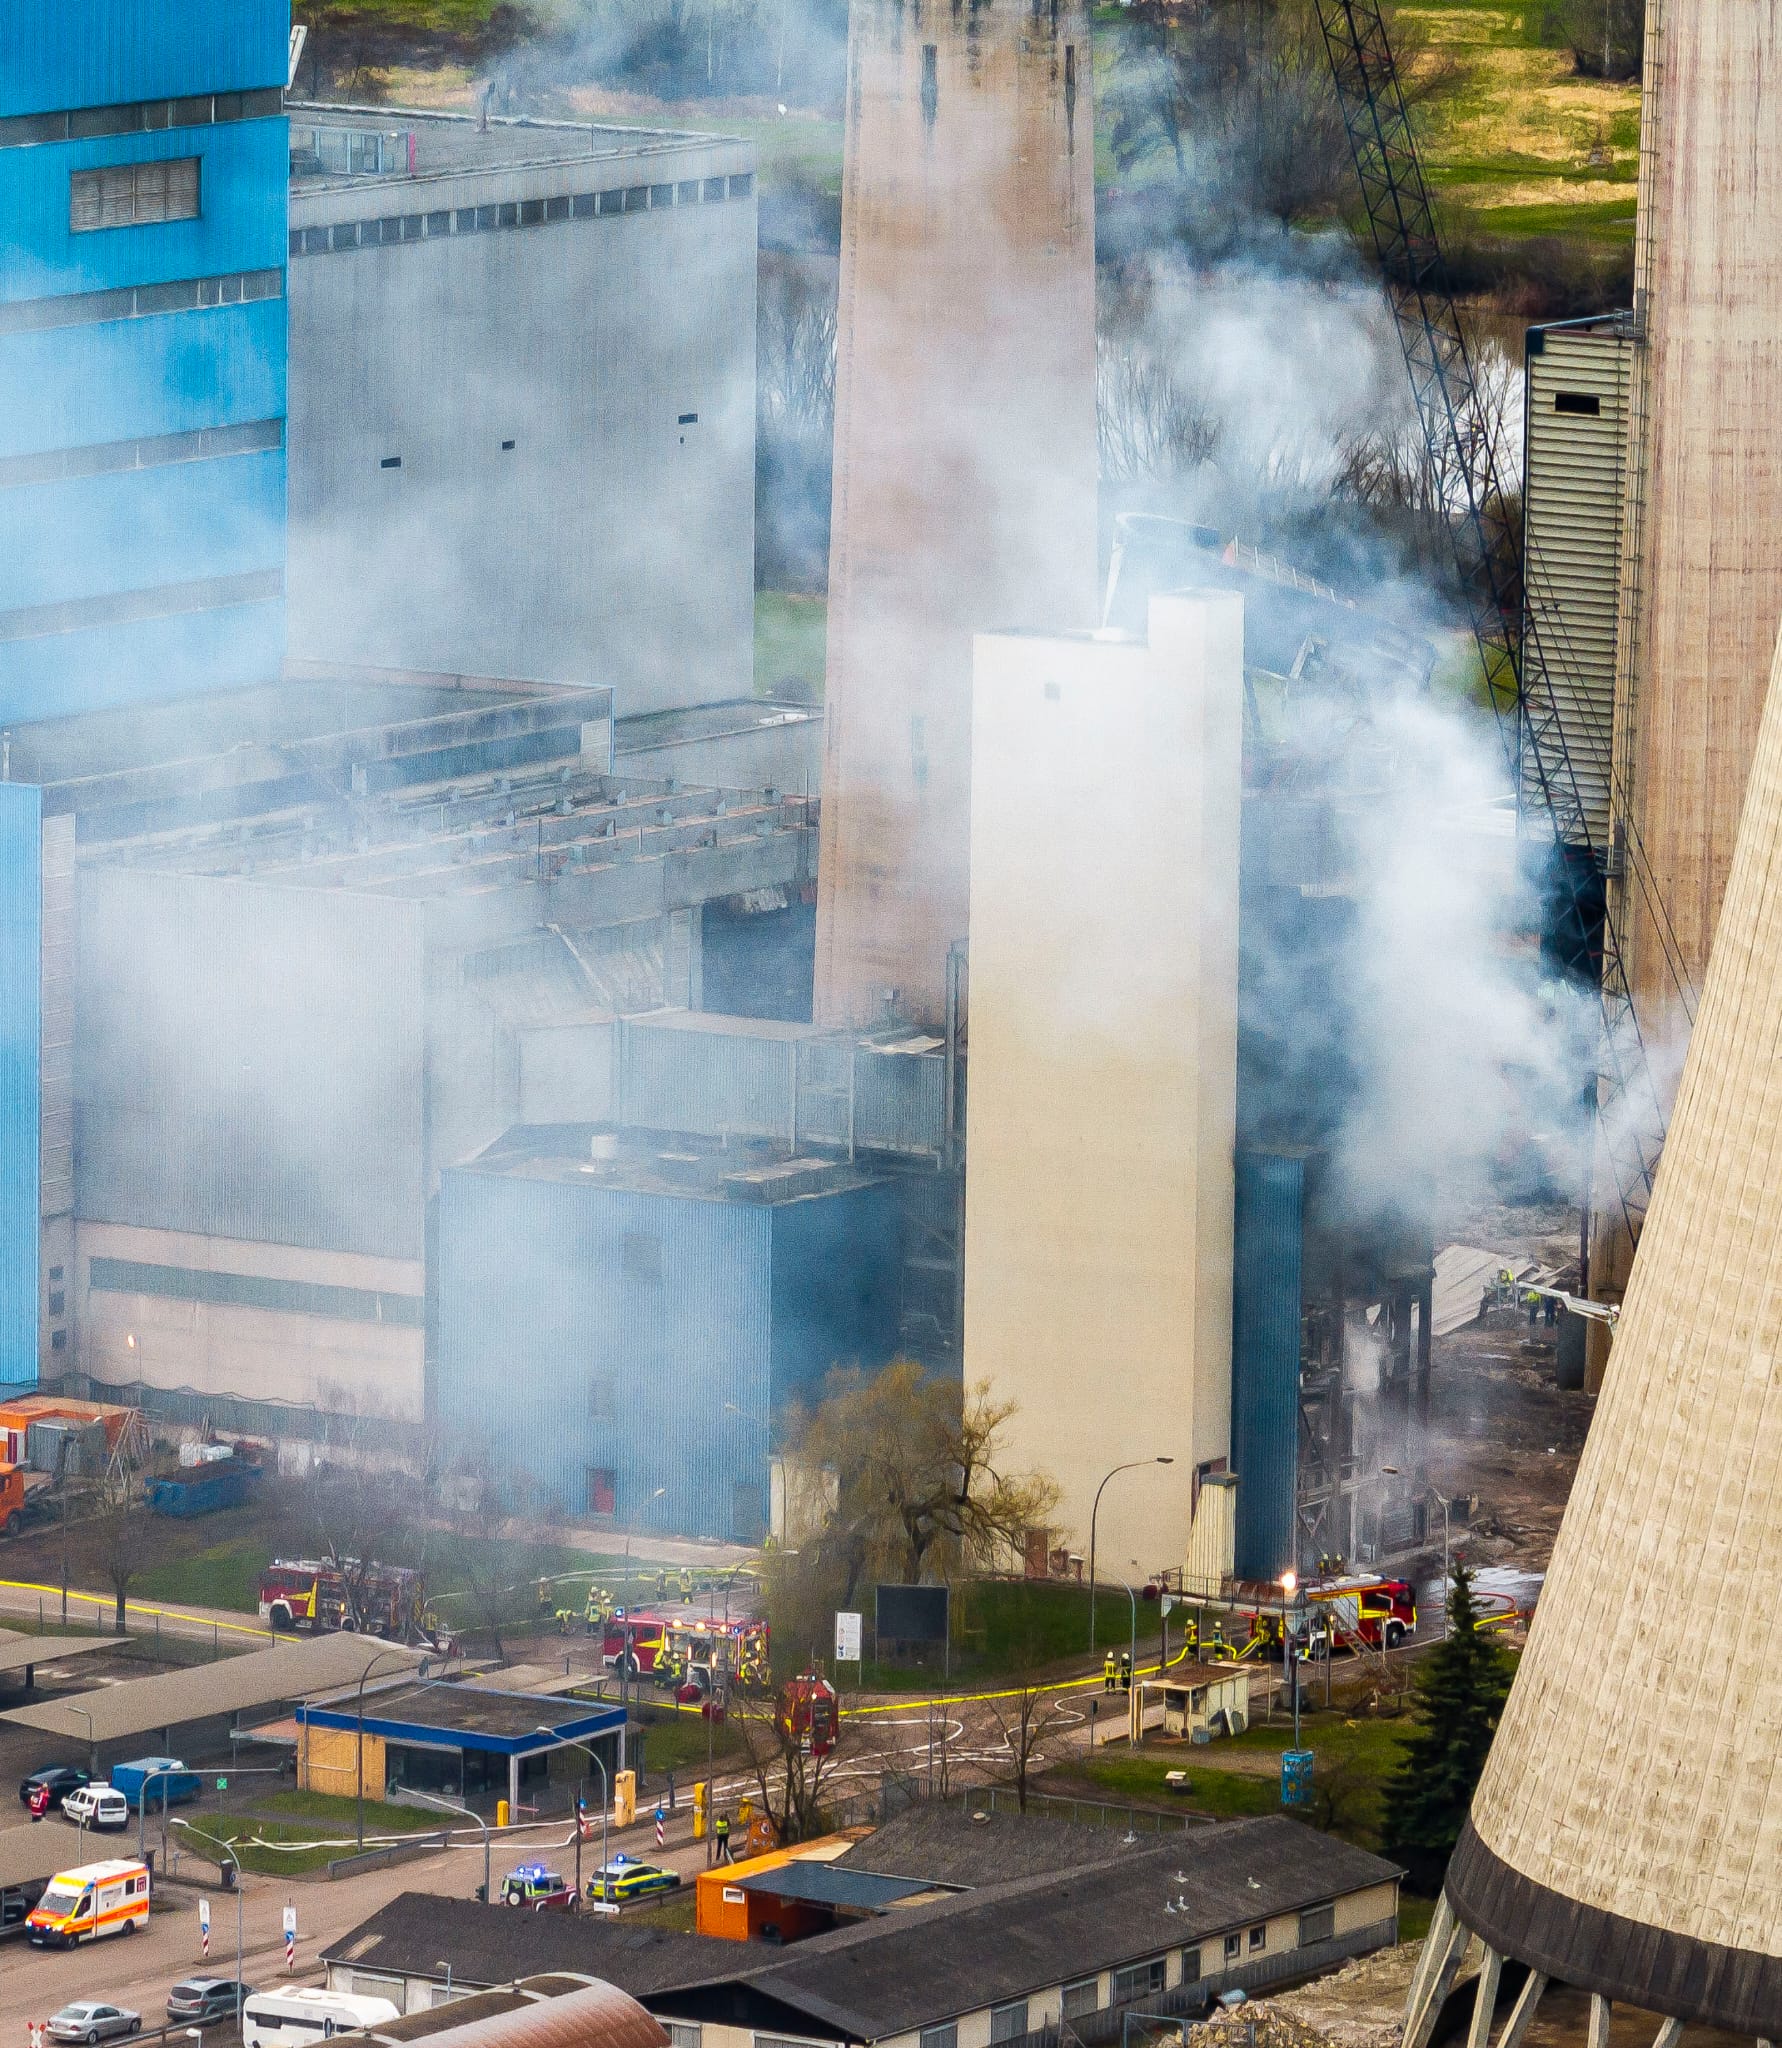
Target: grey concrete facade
column 522, row 402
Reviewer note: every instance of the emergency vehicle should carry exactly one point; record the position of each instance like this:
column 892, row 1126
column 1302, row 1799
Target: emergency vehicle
column 639, row 1636
column 1384, row 1612
column 537, row 1886
column 809, row 1710
column 736, row 1648
column 310, row 1595
column 90, row 1902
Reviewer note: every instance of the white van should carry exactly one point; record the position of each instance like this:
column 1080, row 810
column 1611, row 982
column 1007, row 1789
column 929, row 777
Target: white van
column 292, row 2019
column 90, row 1902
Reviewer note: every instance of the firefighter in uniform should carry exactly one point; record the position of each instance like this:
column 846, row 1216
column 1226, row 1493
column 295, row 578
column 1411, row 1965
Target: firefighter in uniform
column 686, row 1587
column 1126, row 1671
column 591, row 1618
column 721, row 1836
column 1107, row 1672
column 544, row 1596
column 661, row 1587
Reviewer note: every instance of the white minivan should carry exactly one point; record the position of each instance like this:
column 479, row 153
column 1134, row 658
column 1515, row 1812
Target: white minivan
column 294, row 2018
column 102, row 1807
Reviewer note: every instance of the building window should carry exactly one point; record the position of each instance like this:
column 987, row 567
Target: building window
column 1084, row 1996
column 1234, row 1947
column 439, row 223
column 133, row 195
column 1258, row 1938
column 687, row 192
column 612, row 202
column 637, row 197
column 742, row 185
column 714, row 188
column 600, row 1397
column 940, row 2037
column 682, row 2034
column 1008, row 2022
column 58, row 1340
column 532, row 211
column 584, row 205
column 603, row 1490
column 1191, row 1966
column 1317, row 1923
column 1137, row 1980
column 1585, row 402
column 58, row 1304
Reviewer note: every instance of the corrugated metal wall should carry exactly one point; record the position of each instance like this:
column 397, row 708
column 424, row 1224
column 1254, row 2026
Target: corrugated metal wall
column 1574, row 469
column 20, row 1021
column 249, row 1062
column 165, row 564
column 586, row 1328
column 56, row 54
column 1265, row 1338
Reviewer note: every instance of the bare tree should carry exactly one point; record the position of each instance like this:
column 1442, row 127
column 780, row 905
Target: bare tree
column 126, row 1534
column 1147, row 427
column 918, row 1480
column 789, row 1776
column 1035, row 1726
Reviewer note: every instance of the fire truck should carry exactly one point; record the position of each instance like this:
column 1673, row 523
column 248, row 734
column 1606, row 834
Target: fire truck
column 640, row 1638
column 660, row 1646
column 1381, row 1612
column 311, row 1595
column 809, row 1711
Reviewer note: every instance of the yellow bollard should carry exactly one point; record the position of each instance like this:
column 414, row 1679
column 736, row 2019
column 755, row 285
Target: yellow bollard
column 624, row 1798
column 699, row 1792
column 501, row 1813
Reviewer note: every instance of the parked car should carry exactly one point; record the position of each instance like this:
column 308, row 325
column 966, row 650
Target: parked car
column 207, row 1998
column 531, row 1884
column 100, row 1807
column 60, row 1778
column 88, row 2020
column 625, row 1878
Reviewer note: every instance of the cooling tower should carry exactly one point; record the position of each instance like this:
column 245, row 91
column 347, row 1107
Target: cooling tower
column 1703, row 567
column 1627, row 1835
column 965, row 452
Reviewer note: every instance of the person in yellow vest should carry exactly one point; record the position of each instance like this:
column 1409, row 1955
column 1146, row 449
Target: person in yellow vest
column 686, row 1587
column 721, row 1838
column 544, row 1596
column 591, row 1614
column 1126, row 1671
column 1107, row 1672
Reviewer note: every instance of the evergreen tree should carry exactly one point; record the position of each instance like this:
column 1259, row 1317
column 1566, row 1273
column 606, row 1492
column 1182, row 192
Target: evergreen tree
column 1460, row 1689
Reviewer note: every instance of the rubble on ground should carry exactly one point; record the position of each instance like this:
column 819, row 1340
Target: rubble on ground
column 1359, row 2006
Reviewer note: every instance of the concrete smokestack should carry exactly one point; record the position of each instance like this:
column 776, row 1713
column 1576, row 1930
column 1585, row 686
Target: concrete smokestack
column 1703, row 568
column 1098, row 1205
column 965, row 449
column 1627, row 1834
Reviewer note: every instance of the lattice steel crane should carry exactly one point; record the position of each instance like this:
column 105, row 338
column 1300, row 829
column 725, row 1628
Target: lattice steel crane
column 1460, row 441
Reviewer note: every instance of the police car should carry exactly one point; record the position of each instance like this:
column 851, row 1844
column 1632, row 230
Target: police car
column 532, row 1884
column 625, row 1878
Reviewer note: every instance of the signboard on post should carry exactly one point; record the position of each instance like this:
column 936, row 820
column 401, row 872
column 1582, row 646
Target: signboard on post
column 913, row 1614
column 847, row 1638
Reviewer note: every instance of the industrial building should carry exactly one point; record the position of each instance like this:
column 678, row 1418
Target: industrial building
column 1622, row 1839
column 537, row 330
column 305, row 947
column 142, row 350
column 965, row 454
column 623, row 1317
column 1098, row 1233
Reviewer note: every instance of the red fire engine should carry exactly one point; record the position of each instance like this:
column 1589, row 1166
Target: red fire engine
column 640, row 1637
column 1381, row 1612
column 808, row 1710
column 341, row 1593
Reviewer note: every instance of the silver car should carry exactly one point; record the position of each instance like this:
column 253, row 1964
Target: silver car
column 87, row 2019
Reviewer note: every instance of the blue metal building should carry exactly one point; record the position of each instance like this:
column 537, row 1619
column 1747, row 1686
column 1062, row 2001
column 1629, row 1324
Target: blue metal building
column 621, row 1329
column 1267, row 1297
column 143, row 181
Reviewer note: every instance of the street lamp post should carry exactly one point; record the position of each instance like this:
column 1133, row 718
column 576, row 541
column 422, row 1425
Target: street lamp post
column 228, row 1848
column 165, row 1771
column 1291, row 1587
column 606, row 1802
column 359, row 1718
column 1131, row 1466
column 92, row 1746
column 446, row 1806
column 1442, row 1502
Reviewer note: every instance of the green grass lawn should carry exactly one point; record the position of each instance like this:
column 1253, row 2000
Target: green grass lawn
column 677, row 1742
column 1354, row 1759
column 791, row 636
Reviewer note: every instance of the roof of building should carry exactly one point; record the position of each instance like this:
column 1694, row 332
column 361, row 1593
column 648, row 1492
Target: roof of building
column 832, row 1884
column 928, row 1964
column 951, row 1845
column 35, row 1850
column 445, row 142
column 675, row 1164
column 469, row 1717
column 409, row 1935
column 19, row 1653
column 550, row 2012
column 284, row 1671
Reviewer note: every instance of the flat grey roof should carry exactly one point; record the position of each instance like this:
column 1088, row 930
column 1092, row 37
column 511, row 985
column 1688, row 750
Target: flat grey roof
column 466, row 142
column 469, row 1716
column 18, row 1652
column 286, row 1671
column 37, row 1850
column 673, row 1164
column 831, row 1884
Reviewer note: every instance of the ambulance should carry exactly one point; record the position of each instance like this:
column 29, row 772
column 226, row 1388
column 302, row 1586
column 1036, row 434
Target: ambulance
column 90, row 1902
